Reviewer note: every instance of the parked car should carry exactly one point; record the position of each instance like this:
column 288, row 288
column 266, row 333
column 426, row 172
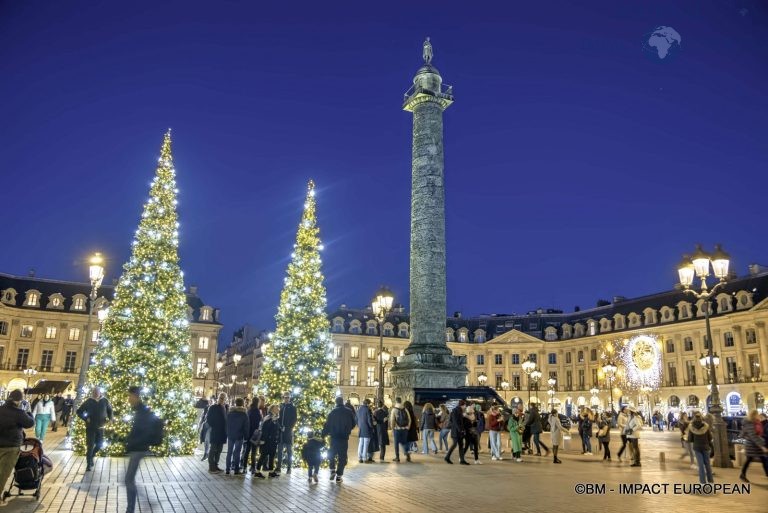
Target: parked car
column 565, row 421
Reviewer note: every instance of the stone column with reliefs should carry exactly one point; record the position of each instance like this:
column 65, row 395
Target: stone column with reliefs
column 427, row 362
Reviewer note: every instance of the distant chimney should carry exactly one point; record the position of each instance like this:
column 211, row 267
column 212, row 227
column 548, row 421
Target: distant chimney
column 618, row 299
column 193, row 290
column 602, row 302
column 577, row 308
column 31, row 273
column 457, row 315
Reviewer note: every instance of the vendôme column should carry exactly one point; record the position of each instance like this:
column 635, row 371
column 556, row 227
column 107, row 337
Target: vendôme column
column 428, row 362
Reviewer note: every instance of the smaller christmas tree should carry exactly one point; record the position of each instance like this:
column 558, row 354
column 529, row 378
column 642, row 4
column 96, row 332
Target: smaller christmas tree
column 299, row 357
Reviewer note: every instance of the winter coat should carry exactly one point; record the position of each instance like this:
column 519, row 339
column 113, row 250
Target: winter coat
column 287, row 421
column 66, row 406
column 340, row 423
column 44, row 408
column 444, row 419
column 364, row 422
column 621, row 422
column 270, row 435
column 13, row 421
column 137, row 439
column 381, row 416
column 700, row 436
column 254, row 421
column 456, row 419
column 95, row 413
column 515, row 436
column 311, row 452
column 754, row 443
column 480, row 416
column 238, row 426
column 555, row 429
column 585, row 425
column 203, row 426
column 534, row 421
column 495, row 421
column 428, row 420
column 634, row 425
column 413, row 428
column 393, row 417
column 600, row 426
column 217, row 422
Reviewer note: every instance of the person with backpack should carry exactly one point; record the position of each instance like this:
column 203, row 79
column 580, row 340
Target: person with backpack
column 458, row 432
column 401, row 422
column 700, row 439
column 237, row 431
column 95, row 412
column 253, row 441
column 339, row 424
column 146, row 430
column 13, row 421
column 217, row 426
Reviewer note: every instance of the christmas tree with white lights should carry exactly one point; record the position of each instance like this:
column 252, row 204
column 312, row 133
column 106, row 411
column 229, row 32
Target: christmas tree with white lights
column 144, row 340
column 299, row 357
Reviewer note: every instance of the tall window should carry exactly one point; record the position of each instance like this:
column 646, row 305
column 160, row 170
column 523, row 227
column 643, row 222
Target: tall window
column 78, row 303
column 50, row 332
column 688, row 343
column 516, row 381
column 580, row 357
column 670, row 346
column 353, row 375
column 728, row 339
column 46, row 360
column 754, row 366
column 369, row 378
column 532, row 357
column 202, row 342
column 205, row 314
column 552, row 358
column 751, row 336
column 569, row 379
column 690, row 372
column 594, row 377
column 581, row 380
column 730, row 368
column 69, row 361
column 95, row 336
column 338, row 374
column 515, row 359
column 337, row 352
column 26, row 331
column 354, row 352
column 3, row 327
column 499, row 379
column 498, row 359
column 22, row 357
column 593, row 355
column 462, row 336
column 481, row 359
column 371, row 353
column 74, row 334
column 672, row 373
column 568, row 357
column 371, row 329
column 201, row 364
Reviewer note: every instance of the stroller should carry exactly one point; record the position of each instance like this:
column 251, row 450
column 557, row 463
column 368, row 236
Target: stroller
column 30, row 468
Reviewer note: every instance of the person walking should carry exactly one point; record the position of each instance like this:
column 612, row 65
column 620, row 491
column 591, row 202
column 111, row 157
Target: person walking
column 338, row 425
column 621, row 424
column 146, row 430
column 632, row 430
column 217, row 425
column 458, row 432
column 495, row 425
column 251, row 449
column 472, row 434
column 413, row 429
column 311, row 453
column 556, row 433
column 238, row 429
column 428, row 427
column 43, row 412
column 755, row 445
column 516, row 426
column 585, row 429
column 400, row 420
column 270, row 438
column 95, row 412
column 58, row 404
column 700, row 439
column 480, row 416
column 13, row 421
column 684, row 425
column 534, row 421
column 604, row 435
column 444, row 419
column 287, row 421
column 381, row 416
column 66, row 410
column 365, row 431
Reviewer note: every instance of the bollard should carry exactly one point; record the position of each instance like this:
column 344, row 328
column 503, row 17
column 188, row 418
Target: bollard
column 662, row 457
column 740, row 455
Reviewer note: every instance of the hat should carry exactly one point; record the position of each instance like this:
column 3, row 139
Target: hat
column 16, row 395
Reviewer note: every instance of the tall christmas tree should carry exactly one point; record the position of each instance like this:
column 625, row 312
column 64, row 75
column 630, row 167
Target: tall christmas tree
column 144, row 339
column 299, row 357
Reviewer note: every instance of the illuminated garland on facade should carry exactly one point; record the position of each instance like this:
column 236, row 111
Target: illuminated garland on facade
column 641, row 356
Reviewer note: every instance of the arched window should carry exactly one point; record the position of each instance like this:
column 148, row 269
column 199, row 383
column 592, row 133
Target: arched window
column 674, row 401
column 693, row 401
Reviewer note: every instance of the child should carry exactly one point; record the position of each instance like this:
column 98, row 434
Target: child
column 311, row 454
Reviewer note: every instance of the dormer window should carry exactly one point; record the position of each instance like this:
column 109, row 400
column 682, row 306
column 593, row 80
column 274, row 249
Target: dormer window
column 743, row 300
column 684, row 310
column 389, row 330
column 8, row 297
column 449, row 335
column 634, row 320
column 702, row 306
column 32, row 298
column 592, row 328
column 723, row 303
column 338, row 325
column 667, row 314
column 605, row 325
column 463, row 335
column 578, row 330
column 354, row 327
column 650, row 316
column 206, row 313
column 402, row 330
column 370, row 328
column 78, row 302
column 550, row 333
column 55, row 302
column 567, row 331
column 479, row 336
column 618, row 321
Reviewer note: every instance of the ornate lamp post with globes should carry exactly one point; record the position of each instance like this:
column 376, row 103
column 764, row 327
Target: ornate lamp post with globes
column 698, row 265
column 609, row 369
column 551, row 392
column 381, row 306
column 505, row 387
column 528, row 367
column 536, row 376
column 482, row 379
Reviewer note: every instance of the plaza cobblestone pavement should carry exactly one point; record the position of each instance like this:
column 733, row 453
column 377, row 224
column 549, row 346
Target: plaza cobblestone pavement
column 182, row 485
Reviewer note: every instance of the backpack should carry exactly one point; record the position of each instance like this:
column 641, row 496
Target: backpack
column 156, row 431
column 401, row 417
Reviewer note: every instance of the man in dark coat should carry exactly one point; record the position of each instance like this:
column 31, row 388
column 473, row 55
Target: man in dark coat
column 95, row 412
column 287, row 421
column 338, row 425
column 13, row 421
column 381, row 416
column 238, row 427
column 365, row 426
column 457, row 432
column 66, row 410
column 58, row 405
column 137, row 443
column 217, row 424
column 250, row 450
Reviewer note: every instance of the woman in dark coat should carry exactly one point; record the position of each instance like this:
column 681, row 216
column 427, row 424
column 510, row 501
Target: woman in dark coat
column 270, row 436
column 413, row 429
column 755, row 445
column 381, row 418
column 254, row 423
column 373, row 445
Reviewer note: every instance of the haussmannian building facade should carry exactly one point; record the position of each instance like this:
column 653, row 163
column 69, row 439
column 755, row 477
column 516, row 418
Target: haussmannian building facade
column 43, row 324
column 573, row 347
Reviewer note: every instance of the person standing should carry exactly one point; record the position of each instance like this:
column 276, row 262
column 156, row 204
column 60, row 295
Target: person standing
column 204, row 429
column 43, row 412
column 254, row 423
column 516, row 426
column 146, row 430
column 217, row 435
column 381, row 416
column 338, row 425
column 632, row 430
column 66, row 410
column 270, row 439
column 700, row 439
column 58, row 404
column 684, row 426
column 413, row 429
column 401, row 421
column 287, row 421
column 534, row 421
column 604, row 435
column 472, row 434
column 457, row 432
column 365, row 431
column 621, row 423
column 13, row 422
column 428, row 426
column 495, row 426
column 311, row 453
column 237, row 431
column 444, row 418
column 556, row 433
column 95, row 412
column 755, row 445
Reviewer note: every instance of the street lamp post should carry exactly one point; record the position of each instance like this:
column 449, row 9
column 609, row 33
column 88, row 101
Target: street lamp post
column 551, row 392
column 235, row 358
column 482, row 379
column 233, row 385
column 595, row 400
column 96, row 275
column 528, row 367
column 536, row 376
column 505, row 387
column 28, row 373
column 204, row 372
column 699, row 265
column 381, row 306
column 609, row 369
column 219, row 365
